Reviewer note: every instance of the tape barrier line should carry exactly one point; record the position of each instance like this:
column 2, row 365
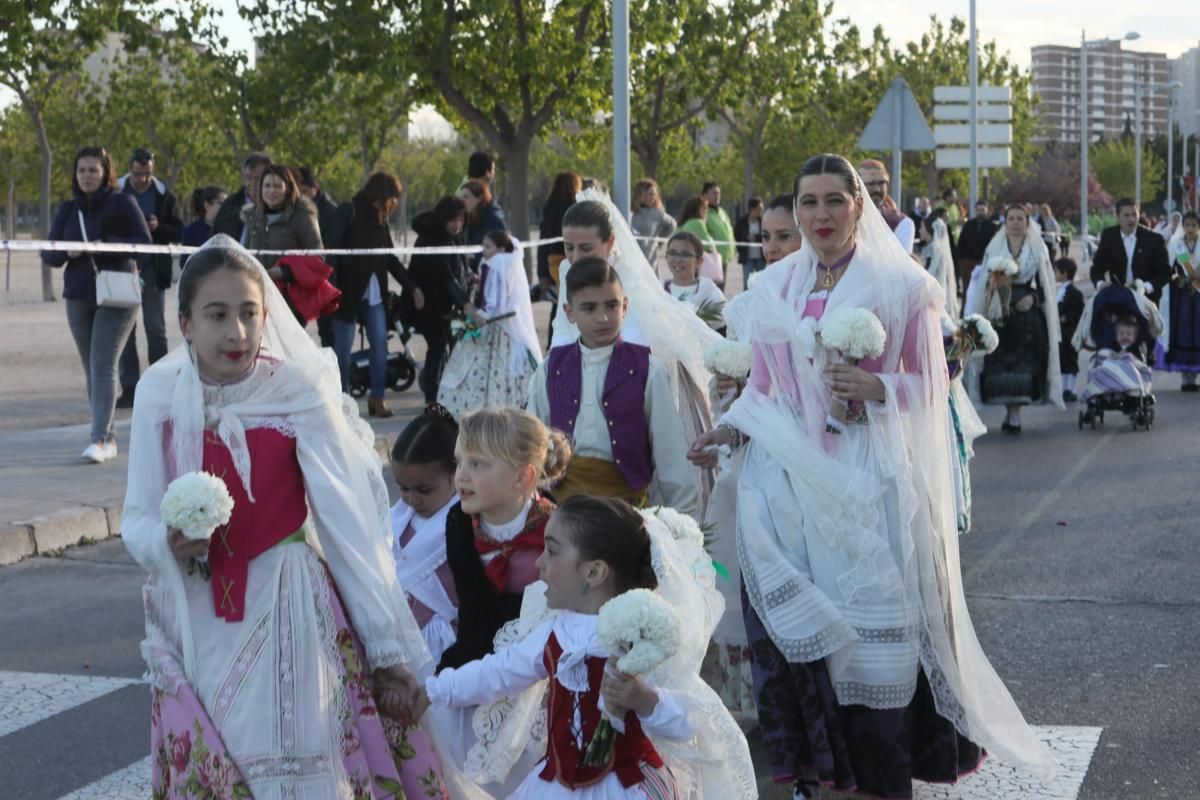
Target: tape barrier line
column 38, row 245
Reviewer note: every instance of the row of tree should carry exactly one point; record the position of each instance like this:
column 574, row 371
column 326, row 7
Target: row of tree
column 739, row 92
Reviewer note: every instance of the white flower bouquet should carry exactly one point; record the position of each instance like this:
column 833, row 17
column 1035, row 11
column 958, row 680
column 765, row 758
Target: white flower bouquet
column 682, row 527
column 642, row 631
column 196, row 504
column 855, row 333
column 979, row 333
column 729, row 358
column 1003, row 265
column 998, row 297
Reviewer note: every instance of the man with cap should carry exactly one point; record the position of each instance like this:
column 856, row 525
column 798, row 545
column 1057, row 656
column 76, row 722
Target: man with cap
column 875, row 176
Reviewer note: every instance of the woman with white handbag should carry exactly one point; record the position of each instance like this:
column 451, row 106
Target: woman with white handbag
column 103, row 291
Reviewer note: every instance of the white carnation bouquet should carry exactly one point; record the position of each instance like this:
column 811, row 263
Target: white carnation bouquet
column 196, row 504
column 642, row 631
column 682, row 527
column 729, row 358
column 1001, row 271
column 1003, row 265
column 855, row 333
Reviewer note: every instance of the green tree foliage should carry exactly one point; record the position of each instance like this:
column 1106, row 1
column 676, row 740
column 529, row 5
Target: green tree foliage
column 1113, row 162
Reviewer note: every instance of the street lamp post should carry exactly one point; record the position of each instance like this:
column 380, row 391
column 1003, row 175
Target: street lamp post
column 1140, row 90
column 1172, row 87
column 1084, row 138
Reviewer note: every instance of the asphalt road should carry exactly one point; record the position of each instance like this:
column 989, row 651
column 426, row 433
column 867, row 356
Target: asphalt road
column 1082, row 575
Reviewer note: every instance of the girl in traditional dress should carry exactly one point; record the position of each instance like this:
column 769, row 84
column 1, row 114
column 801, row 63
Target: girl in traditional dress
column 1023, row 307
column 423, row 467
column 259, row 650
column 491, row 364
column 1180, row 350
column 684, row 252
column 495, row 532
column 675, row 739
column 867, row 670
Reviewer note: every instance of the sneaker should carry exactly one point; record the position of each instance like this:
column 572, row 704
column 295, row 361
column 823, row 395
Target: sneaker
column 126, row 398
column 99, row 452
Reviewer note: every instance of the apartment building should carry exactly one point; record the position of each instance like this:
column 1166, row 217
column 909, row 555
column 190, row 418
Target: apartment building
column 1113, row 75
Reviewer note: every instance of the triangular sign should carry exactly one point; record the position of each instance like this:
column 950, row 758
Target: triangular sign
column 897, row 112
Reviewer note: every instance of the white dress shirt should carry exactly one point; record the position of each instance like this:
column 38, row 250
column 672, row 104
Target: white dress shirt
column 1130, row 242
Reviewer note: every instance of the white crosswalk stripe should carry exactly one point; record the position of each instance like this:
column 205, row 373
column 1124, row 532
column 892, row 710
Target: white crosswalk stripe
column 1072, row 748
column 30, row 697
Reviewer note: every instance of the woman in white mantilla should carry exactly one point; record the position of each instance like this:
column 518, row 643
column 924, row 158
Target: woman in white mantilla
column 867, row 670
column 1014, row 288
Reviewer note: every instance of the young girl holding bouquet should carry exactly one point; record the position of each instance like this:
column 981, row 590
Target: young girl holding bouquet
column 258, row 648
column 597, row 549
column 498, row 349
column 495, row 532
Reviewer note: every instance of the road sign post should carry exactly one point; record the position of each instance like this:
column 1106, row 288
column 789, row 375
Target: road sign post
column 897, row 125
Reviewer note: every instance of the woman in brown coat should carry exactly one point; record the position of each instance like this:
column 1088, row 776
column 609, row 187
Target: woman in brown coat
column 282, row 219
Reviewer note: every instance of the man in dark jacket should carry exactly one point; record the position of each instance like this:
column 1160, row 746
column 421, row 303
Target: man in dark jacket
column 1129, row 251
column 161, row 210
column 976, row 234
column 332, row 227
column 229, row 218
column 749, row 229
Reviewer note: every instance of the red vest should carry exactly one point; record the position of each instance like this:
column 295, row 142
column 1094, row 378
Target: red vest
column 254, row 528
column 564, row 759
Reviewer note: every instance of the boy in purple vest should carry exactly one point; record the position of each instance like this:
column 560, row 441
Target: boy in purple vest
column 613, row 398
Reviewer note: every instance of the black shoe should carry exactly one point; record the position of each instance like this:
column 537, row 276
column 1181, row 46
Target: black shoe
column 1190, row 387
column 126, row 398
column 1009, row 428
column 1069, row 396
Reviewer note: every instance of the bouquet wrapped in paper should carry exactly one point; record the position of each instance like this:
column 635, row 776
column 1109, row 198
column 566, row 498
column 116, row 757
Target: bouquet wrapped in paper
column 196, row 504
column 641, row 630
column 855, row 333
column 1001, row 271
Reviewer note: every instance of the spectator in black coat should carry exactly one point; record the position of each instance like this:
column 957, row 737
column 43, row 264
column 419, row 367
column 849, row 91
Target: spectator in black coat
column 549, row 256
column 442, row 280
column 98, row 213
column 206, row 202
column 749, row 229
column 229, row 219
column 327, row 212
column 363, row 224
column 976, row 235
column 161, row 209
column 1130, row 251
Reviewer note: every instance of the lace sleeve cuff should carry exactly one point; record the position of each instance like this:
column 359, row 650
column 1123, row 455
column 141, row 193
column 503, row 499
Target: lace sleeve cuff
column 385, row 653
column 434, row 690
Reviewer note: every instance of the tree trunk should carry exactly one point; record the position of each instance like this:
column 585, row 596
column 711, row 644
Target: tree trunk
column 11, row 218
column 517, row 154
column 649, row 153
column 39, row 126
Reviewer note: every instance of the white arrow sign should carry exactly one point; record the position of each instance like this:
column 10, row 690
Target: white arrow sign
column 961, row 134
column 962, row 113
column 960, row 158
column 962, row 94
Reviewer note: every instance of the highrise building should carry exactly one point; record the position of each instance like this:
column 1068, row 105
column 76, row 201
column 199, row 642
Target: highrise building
column 1113, row 75
column 1186, row 70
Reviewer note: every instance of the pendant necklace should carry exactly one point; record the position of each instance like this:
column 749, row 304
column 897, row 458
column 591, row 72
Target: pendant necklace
column 827, row 272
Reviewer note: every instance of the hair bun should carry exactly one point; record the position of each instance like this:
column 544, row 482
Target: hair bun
column 440, row 411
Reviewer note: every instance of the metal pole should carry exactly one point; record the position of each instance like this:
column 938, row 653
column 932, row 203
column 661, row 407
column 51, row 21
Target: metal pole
column 1083, row 150
column 1170, row 202
column 973, row 78
column 897, row 142
column 621, row 185
column 1137, row 146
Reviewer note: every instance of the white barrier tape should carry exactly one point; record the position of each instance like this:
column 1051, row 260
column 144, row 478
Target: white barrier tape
column 37, row 245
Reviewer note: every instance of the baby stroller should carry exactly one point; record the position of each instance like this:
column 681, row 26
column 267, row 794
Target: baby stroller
column 1118, row 381
column 401, row 367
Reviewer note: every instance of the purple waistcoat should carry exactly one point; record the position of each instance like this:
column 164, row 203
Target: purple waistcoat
column 624, row 404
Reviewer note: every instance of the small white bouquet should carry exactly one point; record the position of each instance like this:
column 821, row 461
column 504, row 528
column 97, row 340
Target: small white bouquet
column 197, row 504
column 1003, row 265
column 855, row 333
column 642, row 631
column 979, row 334
column 729, row 358
column 682, row 527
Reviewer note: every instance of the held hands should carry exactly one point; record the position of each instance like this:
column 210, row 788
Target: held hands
column 400, row 695
column 623, row 693
column 848, row 383
column 707, row 459
column 185, row 548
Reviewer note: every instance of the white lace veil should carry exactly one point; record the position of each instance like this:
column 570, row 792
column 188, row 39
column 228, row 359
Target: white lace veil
column 676, row 336
column 941, row 266
column 512, row 292
column 915, row 571
column 715, row 764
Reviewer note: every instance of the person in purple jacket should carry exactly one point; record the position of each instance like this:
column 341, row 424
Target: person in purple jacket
column 100, row 332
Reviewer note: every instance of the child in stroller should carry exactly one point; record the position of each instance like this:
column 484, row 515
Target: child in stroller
column 1121, row 325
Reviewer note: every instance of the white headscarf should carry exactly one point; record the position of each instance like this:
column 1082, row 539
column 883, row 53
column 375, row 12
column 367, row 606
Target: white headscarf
column 840, row 502
column 941, row 266
column 507, row 289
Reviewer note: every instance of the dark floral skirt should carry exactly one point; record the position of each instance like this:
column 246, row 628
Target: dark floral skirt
column 1016, row 372
column 811, row 739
